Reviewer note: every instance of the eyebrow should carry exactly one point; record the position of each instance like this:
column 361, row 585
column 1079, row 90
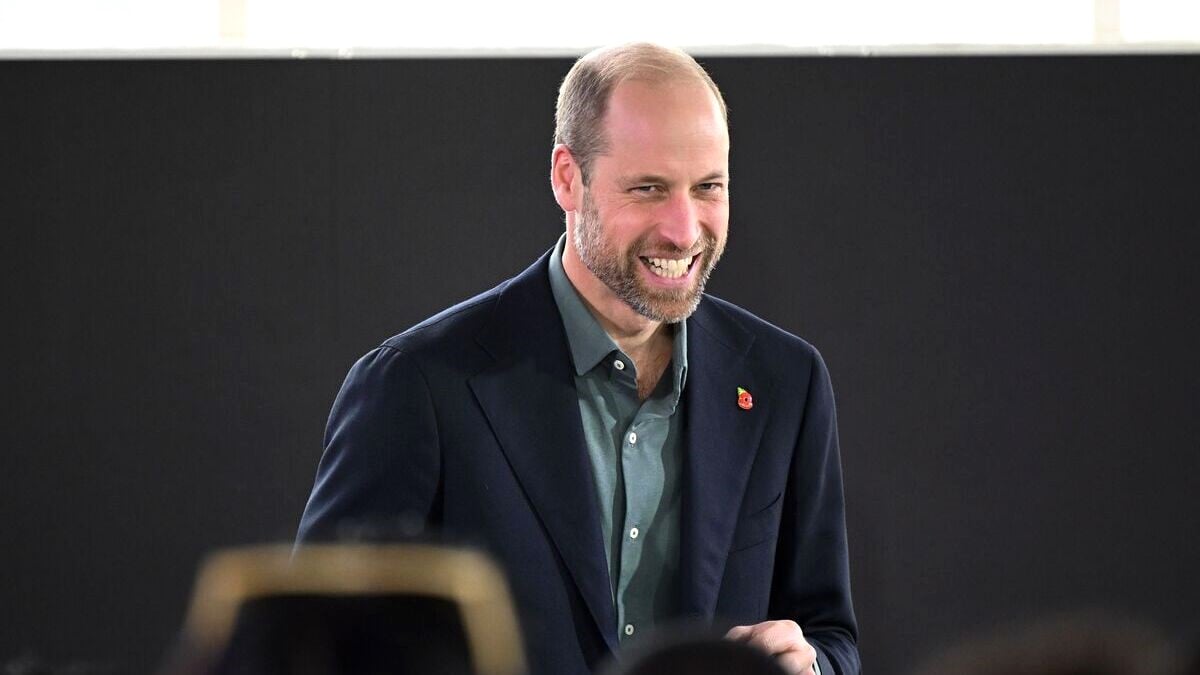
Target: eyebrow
column 651, row 178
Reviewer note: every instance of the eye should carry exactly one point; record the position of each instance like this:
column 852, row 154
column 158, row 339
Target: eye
column 644, row 189
column 710, row 187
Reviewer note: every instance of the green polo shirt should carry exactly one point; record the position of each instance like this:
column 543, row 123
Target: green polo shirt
column 635, row 449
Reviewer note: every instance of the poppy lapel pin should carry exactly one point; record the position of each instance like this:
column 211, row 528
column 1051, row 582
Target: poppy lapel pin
column 745, row 400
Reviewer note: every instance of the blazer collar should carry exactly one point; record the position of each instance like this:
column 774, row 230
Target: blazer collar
column 529, row 398
column 721, row 440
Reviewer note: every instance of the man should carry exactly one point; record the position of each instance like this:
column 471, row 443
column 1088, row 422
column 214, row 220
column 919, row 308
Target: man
column 631, row 450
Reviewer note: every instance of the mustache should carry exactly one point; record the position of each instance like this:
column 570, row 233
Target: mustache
column 707, row 242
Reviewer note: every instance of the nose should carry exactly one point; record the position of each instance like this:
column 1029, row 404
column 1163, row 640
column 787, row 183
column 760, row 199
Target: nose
column 679, row 222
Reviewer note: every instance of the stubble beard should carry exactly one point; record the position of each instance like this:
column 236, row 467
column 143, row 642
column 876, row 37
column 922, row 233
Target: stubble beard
column 620, row 272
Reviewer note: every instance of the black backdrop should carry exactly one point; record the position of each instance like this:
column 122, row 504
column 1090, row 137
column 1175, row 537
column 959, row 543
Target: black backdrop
column 996, row 255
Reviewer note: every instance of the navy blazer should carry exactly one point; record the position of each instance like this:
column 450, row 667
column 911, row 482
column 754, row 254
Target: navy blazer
column 469, row 422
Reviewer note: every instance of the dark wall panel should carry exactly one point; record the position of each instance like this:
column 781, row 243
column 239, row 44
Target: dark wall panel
column 994, row 254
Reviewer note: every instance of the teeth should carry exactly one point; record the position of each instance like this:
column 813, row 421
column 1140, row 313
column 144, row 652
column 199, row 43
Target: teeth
column 668, row 268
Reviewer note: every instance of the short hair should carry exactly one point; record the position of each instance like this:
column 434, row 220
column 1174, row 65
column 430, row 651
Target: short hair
column 585, row 92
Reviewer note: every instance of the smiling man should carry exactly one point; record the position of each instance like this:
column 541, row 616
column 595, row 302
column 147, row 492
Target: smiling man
column 633, row 451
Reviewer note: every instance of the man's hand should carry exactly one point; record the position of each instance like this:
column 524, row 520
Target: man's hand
column 782, row 639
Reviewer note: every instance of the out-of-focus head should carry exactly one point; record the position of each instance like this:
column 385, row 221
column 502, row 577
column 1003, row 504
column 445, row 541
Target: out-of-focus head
column 693, row 652
column 1086, row 643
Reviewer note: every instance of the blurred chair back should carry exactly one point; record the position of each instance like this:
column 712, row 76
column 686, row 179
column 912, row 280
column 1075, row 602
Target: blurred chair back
column 411, row 608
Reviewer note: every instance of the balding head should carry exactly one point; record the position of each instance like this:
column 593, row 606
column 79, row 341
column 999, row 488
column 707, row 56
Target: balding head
column 585, row 92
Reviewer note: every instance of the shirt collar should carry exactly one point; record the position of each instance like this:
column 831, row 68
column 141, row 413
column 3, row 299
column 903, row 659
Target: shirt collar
column 588, row 342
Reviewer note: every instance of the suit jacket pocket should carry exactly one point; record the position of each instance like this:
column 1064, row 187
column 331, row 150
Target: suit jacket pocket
column 759, row 526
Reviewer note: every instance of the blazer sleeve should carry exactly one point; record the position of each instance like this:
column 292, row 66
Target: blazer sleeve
column 812, row 572
column 380, row 470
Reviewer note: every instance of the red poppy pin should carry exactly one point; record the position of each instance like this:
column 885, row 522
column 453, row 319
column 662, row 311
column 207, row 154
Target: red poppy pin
column 745, row 400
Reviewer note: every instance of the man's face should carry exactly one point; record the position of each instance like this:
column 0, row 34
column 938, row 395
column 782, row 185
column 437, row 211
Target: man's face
column 655, row 216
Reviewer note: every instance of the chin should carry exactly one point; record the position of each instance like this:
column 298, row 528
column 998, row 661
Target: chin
column 674, row 310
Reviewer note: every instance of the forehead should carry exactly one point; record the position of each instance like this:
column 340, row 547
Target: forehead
column 669, row 124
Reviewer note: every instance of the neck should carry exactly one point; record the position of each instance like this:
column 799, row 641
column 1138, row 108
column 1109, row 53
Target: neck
column 635, row 334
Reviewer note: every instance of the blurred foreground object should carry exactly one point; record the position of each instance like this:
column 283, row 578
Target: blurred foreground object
column 693, row 652
column 1091, row 643
column 413, row 608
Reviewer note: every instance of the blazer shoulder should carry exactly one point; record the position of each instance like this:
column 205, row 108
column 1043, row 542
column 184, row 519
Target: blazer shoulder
column 450, row 327
column 727, row 319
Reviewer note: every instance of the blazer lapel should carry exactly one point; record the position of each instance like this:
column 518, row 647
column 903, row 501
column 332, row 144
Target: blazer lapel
column 721, row 440
column 530, row 402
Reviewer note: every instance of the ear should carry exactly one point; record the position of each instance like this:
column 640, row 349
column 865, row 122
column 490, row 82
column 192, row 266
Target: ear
column 565, row 179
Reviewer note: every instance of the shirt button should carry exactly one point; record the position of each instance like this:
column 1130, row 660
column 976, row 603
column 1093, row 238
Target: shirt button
column 629, row 629
column 633, row 534
column 619, row 364
column 632, row 437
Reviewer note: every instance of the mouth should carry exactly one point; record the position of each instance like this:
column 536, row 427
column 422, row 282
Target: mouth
column 669, row 268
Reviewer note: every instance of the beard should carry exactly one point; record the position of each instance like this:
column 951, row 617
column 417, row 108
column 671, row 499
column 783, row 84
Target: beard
column 619, row 271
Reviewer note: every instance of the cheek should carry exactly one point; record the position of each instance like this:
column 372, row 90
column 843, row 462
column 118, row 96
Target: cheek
column 716, row 217
column 629, row 222
column 629, row 212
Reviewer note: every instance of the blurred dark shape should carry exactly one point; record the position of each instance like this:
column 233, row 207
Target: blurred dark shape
column 1091, row 643
column 1189, row 660
column 31, row 665
column 328, row 609
column 692, row 651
